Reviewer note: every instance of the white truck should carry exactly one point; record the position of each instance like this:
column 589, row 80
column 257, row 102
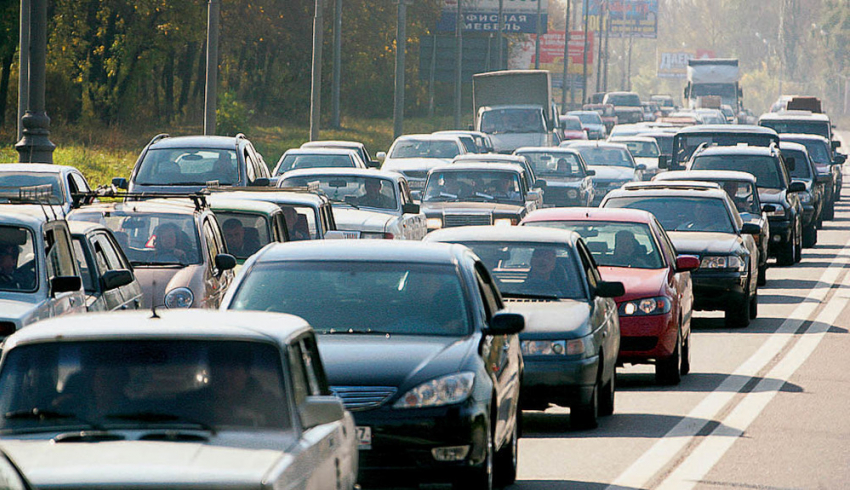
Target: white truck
column 515, row 108
column 714, row 77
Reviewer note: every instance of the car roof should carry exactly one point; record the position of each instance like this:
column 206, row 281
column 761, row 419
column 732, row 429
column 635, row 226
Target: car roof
column 547, row 149
column 726, row 128
column 489, row 157
column 599, row 144
column 320, row 151
column 84, row 227
column 193, row 324
column 224, row 203
column 671, row 184
column 30, row 215
column 461, row 165
column 362, row 250
column 280, row 195
column 803, row 136
column 504, row 234
column 433, row 136
column 794, row 115
column 701, row 192
column 642, row 139
column 705, row 174
column 790, row 145
column 333, row 144
column 36, row 168
column 735, row 150
column 197, row 141
column 343, row 172
column 625, row 215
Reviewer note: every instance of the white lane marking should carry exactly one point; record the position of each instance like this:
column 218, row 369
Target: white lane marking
column 662, row 453
column 709, row 452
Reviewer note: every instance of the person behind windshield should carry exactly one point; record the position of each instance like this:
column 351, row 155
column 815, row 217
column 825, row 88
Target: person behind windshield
column 545, row 276
column 10, row 276
column 563, row 166
column 167, row 244
column 502, row 189
column 627, row 250
column 98, row 389
column 237, row 243
column 705, row 218
column 296, row 228
column 236, row 396
column 373, row 197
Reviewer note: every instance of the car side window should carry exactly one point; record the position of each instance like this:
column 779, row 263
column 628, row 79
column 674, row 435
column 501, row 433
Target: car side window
column 80, row 182
column 262, row 169
column 489, row 295
column 281, row 230
column 250, row 166
column 313, row 367
column 58, row 252
column 106, row 251
column 664, row 243
column 589, row 266
column 86, row 272
column 213, row 245
column 300, row 388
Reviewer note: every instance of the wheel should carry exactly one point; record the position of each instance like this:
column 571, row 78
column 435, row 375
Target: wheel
column 754, row 306
column 810, row 236
column 506, row 459
column 479, row 477
column 686, row 356
column 798, row 245
column 762, row 275
column 786, row 256
column 669, row 371
column 606, row 398
column 585, row 416
column 829, row 210
column 738, row 315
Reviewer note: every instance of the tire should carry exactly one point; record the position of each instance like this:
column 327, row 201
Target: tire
column 762, row 275
column 686, row 356
column 829, row 210
column 669, row 371
column 506, row 459
column 810, row 236
column 584, row 417
column 738, row 315
column 479, row 477
column 606, row 398
column 754, row 305
column 798, row 245
column 786, row 256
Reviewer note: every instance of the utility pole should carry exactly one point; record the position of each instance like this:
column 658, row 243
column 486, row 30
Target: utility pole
column 599, row 52
column 210, row 95
column 584, row 59
column 566, row 59
column 316, row 78
column 432, row 78
column 458, row 63
column 401, row 48
column 571, row 15
column 501, row 33
column 337, row 68
column 23, row 65
column 35, row 145
column 607, row 35
column 537, row 37
column 623, row 50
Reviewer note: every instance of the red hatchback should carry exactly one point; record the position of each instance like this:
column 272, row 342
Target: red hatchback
column 630, row 246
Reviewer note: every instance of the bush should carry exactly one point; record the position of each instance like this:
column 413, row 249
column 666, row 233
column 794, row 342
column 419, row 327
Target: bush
column 231, row 115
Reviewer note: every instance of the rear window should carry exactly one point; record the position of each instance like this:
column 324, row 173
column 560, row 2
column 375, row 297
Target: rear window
column 820, row 128
column 610, row 157
column 296, row 161
column 425, row 149
column 818, row 150
column 764, row 168
column 801, row 164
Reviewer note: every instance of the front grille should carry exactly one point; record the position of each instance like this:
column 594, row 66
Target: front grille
column 638, row 343
column 450, row 220
column 357, row 398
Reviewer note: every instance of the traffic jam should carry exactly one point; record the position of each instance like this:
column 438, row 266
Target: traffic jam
column 346, row 320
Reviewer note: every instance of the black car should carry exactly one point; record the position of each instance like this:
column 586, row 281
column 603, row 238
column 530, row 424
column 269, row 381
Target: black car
column 812, row 198
column 701, row 220
column 190, row 163
column 687, row 140
column 434, row 391
column 777, row 192
column 464, row 194
column 828, row 164
column 572, row 336
column 568, row 180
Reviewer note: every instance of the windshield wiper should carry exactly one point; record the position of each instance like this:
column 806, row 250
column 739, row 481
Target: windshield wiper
column 367, row 331
column 336, row 201
column 529, row 296
column 142, row 264
column 39, row 414
column 154, row 417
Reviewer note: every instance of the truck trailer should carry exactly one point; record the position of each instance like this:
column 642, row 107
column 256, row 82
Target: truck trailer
column 714, row 77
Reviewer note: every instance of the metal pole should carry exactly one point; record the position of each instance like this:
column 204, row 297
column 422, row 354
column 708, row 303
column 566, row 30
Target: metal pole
column 35, row 145
column 337, row 68
column 571, row 15
column 599, row 52
column 432, row 78
column 316, row 77
column 631, row 42
column 566, row 59
column 458, row 63
column 501, row 32
column 23, row 65
column 210, row 93
column 584, row 57
column 401, row 48
column 537, row 37
column 623, row 37
column 607, row 35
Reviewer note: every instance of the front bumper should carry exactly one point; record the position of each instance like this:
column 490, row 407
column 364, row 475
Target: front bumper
column 716, row 290
column 560, row 197
column 646, row 338
column 780, row 235
column 562, row 380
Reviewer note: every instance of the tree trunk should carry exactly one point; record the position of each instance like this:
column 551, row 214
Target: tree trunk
column 5, row 74
column 184, row 71
column 168, row 86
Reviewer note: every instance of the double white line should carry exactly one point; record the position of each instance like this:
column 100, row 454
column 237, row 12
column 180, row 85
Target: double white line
column 699, row 457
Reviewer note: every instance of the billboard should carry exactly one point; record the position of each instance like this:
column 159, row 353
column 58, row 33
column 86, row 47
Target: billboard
column 674, row 64
column 552, row 53
column 520, row 16
column 627, row 18
column 480, row 54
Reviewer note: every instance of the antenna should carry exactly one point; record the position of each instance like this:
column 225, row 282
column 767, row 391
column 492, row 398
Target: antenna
column 153, row 301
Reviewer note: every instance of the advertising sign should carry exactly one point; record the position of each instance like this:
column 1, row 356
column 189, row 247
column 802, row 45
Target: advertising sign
column 674, row 64
column 552, row 53
column 627, row 18
column 520, row 16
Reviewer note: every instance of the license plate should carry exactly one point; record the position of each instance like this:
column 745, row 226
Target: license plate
column 364, row 437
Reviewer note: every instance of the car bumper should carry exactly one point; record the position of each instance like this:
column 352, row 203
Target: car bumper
column 562, row 381
column 780, row 235
column 646, row 338
column 716, row 290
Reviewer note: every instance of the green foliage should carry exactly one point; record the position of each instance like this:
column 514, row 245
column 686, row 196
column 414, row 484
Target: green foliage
column 231, row 115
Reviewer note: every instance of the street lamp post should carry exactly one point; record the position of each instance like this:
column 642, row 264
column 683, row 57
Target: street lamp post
column 337, row 68
column 210, row 93
column 23, row 65
column 316, row 77
column 35, row 145
column 401, row 48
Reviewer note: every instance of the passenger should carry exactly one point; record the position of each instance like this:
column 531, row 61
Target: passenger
column 167, row 244
column 563, row 166
column 503, row 189
column 236, row 396
column 293, row 225
column 237, row 243
column 96, row 391
column 10, row 276
column 627, row 250
column 373, row 197
column 545, row 276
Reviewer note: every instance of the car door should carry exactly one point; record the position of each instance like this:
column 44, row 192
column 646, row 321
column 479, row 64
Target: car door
column 60, row 262
column 680, row 282
column 413, row 225
column 603, row 311
column 107, row 250
column 215, row 281
column 89, row 273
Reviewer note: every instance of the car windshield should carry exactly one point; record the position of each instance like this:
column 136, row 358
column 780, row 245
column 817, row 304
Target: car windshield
column 293, row 161
column 681, row 213
column 554, row 163
column 571, row 123
column 665, row 143
column 629, row 100
column 685, row 145
column 614, row 244
column 151, row 239
column 244, row 233
column 473, row 186
column 17, row 259
column 39, row 182
column 606, row 157
column 764, row 168
column 425, row 148
column 820, row 128
column 371, row 192
column 531, row 269
column 143, row 384
column 642, row 149
column 743, row 194
column 587, row 117
column 512, row 121
column 378, row 297
column 801, row 164
column 188, row 166
column 818, row 150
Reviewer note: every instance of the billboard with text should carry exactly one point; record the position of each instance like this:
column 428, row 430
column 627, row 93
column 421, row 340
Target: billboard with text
column 635, row 18
column 520, row 16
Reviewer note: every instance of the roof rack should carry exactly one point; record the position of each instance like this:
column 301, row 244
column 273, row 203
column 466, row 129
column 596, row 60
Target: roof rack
column 685, row 185
column 199, row 199
column 41, row 195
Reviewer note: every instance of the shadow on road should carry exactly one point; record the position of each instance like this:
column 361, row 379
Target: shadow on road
column 560, row 485
column 556, row 425
column 695, row 383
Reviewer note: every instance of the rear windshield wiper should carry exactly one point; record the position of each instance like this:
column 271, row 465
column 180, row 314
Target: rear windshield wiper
column 154, row 417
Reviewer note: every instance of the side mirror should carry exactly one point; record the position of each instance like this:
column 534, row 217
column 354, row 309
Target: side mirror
column 261, row 182
column 120, row 182
column 504, row 323
column 751, row 229
column 115, row 279
column 840, row 159
column 791, row 162
column 381, row 156
column 685, row 263
column 225, row 262
column 65, row 284
column 768, row 208
column 591, row 173
column 410, row 208
column 610, row 289
column 797, row 187
column 539, row 184
column 662, row 161
column 640, row 166
column 834, row 145
column 319, row 410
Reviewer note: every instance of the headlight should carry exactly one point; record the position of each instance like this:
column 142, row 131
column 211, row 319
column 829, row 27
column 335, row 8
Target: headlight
column 778, row 211
column 646, row 306
column 572, row 194
column 434, row 223
column 805, row 197
column 437, row 392
column 552, row 347
column 504, row 222
column 722, row 262
column 179, row 298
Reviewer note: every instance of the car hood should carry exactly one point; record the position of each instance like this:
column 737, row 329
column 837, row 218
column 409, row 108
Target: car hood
column 360, row 220
column 562, row 319
column 604, row 172
column 402, row 164
column 508, row 142
column 771, row 196
column 166, row 278
column 432, row 208
column 650, row 162
column 152, row 464
column 394, row 360
column 639, row 283
column 704, row 243
column 16, row 310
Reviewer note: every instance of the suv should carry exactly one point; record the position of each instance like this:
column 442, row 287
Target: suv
column 796, row 122
column 828, row 164
column 777, row 192
column 687, row 140
column 627, row 106
column 191, row 163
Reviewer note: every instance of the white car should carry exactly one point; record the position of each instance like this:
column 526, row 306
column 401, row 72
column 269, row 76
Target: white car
column 174, row 399
column 60, row 181
column 645, row 151
column 372, row 204
column 415, row 154
column 299, row 158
